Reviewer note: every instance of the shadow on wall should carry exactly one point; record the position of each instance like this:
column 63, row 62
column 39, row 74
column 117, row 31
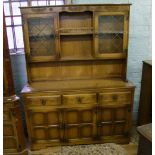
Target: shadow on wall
column 19, row 71
column 20, row 77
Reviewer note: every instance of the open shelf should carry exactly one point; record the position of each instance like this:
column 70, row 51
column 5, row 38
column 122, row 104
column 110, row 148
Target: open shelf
column 76, row 46
column 76, row 20
column 111, row 32
column 76, row 31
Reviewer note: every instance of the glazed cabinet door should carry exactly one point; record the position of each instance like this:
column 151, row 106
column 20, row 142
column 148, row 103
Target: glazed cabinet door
column 111, row 33
column 44, row 125
column 79, row 124
column 40, row 34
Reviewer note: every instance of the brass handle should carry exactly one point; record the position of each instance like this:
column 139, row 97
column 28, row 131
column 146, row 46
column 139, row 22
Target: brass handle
column 43, row 102
column 13, row 112
column 96, row 34
column 79, row 99
column 99, row 124
column 114, row 97
column 61, row 126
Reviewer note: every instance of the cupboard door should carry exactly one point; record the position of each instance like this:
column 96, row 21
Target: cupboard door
column 111, row 30
column 44, row 125
column 79, row 124
column 41, row 41
column 10, row 135
column 113, row 121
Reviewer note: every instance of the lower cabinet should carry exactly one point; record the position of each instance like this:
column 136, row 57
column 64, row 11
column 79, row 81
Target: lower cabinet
column 13, row 133
column 44, row 125
column 82, row 118
column 113, row 121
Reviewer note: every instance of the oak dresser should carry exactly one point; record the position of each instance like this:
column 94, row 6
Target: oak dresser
column 77, row 90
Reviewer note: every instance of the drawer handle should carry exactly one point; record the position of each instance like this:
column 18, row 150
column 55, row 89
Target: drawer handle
column 79, row 100
column 43, row 102
column 99, row 124
column 114, row 97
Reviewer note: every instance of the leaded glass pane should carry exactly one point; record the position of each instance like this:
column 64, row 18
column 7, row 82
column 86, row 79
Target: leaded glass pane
column 111, row 29
column 111, row 24
column 41, row 36
column 110, row 43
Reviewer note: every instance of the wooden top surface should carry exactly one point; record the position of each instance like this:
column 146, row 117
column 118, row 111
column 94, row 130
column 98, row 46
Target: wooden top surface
column 76, row 85
column 146, row 131
column 75, row 8
column 10, row 98
column 149, row 62
column 107, row 4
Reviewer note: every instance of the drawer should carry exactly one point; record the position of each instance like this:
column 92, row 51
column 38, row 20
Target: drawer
column 79, row 99
column 8, row 130
column 44, row 100
column 9, row 142
column 6, row 116
column 115, row 97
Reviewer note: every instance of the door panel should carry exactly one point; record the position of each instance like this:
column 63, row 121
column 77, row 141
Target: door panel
column 71, row 116
column 71, row 132
column 9, row 143
column 86, row 116
column 40, row 133
column 6, row 116
column 104, row 130
column 105, row 115
column 79, row 124
column 113, row 120
column 119, row 129
column 53, row 118
column 120, row 114
column 53, row 133
column 38, row 118
column 86, row 131
column 45, row 124
column 8, row 130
